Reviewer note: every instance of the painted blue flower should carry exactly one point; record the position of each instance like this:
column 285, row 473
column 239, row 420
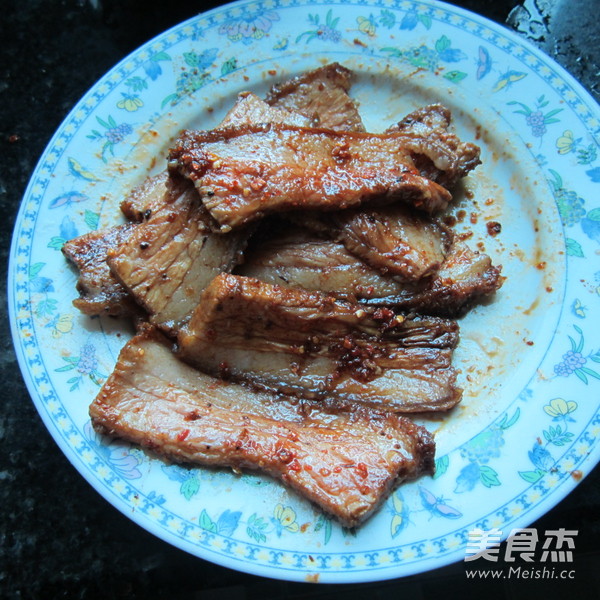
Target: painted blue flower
column 228, row 522
column 68, row 231
column 468, row 478
column 153, row 69
column 409, row 21
column 594, row 174
column 41, row 285
column 541, row 458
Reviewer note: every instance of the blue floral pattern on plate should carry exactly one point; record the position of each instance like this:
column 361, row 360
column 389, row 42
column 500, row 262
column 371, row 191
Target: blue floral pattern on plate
column 517, row 459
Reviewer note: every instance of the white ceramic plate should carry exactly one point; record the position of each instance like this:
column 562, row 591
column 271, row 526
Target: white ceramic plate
column 527, row 429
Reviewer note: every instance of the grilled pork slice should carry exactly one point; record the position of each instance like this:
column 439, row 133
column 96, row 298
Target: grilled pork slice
column 392, row 239
column 300, row 259
column 146, row 198
column 249, row 109
column 99, row 292
column 344, row 460
column 244, row 173
column 168, row 260
column 438, row 154
column 313, row 345
column 322, row 96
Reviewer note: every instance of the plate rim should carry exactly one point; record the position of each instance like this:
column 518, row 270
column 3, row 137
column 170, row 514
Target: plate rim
column 138, row 517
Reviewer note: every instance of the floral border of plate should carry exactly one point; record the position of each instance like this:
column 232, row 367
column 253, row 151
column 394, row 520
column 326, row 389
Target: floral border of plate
column 464, row 49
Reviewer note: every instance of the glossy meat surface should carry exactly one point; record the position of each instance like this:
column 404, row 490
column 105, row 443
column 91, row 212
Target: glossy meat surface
column 301, row 259
column 438, row 153
column 244, row 173
column 322, row 96
column 99, row 292
column 249, row 109
column 172, row 256
column 314, row 345
column 345, row 460
column 393, row 239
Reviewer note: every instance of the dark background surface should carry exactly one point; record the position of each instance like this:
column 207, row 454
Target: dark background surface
column 58, row 537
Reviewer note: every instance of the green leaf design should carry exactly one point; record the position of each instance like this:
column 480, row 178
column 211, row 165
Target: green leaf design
column 170, row 98
column 531, row 476
column 189, row 488
column 441, row 466
column 488, row 476
column 426, row 20
column 589, row 372
column 229, row 66
column 387, row 18
column 190, row 58
column 553, row 112
column 324, row 522
column 574, row 248
column 206, row 522
column 594, row 214
column 581, row 376
column 137, row 84
column 46, row 307
column 395, row 52
column 442, row 44
column 35, row 269
column 255, row 527
column 103, row 123
column 56, row 243
column 92, row 219
column 455, row 76
column 160, row 56
column 557, row 183
column 505, row 423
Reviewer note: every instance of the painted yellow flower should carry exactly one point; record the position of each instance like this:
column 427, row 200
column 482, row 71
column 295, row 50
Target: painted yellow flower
column 566, row 142
column 559, row 407
column 286, row 518
column 367, row 25
column 130, row 103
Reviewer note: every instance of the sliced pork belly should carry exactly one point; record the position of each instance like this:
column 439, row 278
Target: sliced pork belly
column 392, row 239
column 99, row 292
column 322, row 96
column 313, row 345
column 168, row 260
column 345, row 460
column 247, row 172
column 146, row 198
column 301, row 259
column 250, row 109
column 438, row 154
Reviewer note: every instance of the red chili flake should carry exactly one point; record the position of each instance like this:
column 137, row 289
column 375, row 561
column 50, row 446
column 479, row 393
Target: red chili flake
column 362, row 470
column 181, row 436
column 13, row 138
column 493, row 228
column 295, row 465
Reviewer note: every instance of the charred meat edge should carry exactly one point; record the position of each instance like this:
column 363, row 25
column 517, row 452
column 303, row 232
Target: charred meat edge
column 99, row 292
column 438, row 154
column 345, row 460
